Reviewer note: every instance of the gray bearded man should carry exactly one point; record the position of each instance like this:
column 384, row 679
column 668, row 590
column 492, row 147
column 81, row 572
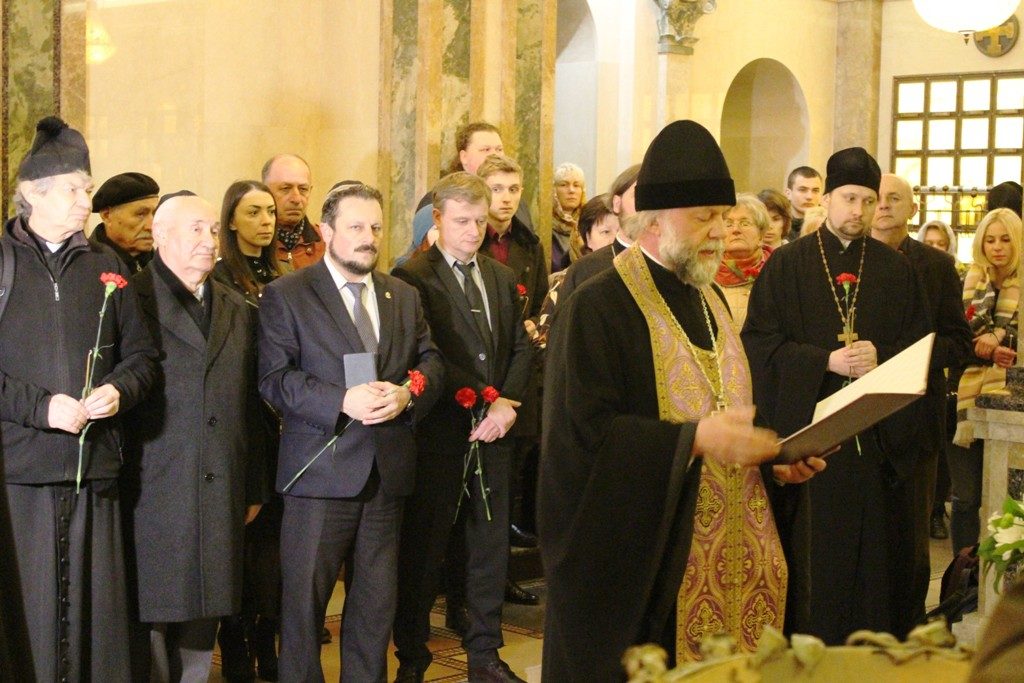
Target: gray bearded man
column 67, row 541
column 647, row 409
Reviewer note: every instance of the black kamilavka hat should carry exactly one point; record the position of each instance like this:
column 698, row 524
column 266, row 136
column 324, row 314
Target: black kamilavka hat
column 1006, row 195
column 852, row 166
column 684, row 166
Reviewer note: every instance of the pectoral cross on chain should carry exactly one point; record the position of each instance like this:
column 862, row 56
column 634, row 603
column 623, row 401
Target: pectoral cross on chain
column 847, row 337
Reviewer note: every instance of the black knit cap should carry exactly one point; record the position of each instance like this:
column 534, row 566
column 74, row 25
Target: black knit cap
column 852, row 166
column 684, row 166
column 1006, row 195
column 124, row 188
column 56, row 149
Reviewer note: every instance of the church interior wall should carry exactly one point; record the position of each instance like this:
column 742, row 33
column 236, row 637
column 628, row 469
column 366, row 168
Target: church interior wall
column 912, row 48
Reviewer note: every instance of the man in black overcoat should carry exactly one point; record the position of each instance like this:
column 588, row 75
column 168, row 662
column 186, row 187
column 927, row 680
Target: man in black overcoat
column 337, row 341
column 476, row 318
column 940, row 285
column 63, row 499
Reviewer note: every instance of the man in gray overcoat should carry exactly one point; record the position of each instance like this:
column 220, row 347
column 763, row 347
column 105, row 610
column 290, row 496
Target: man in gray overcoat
column 194, row 470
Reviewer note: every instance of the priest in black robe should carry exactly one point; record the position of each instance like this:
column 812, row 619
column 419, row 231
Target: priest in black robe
column 806, row 337
column 618, row 484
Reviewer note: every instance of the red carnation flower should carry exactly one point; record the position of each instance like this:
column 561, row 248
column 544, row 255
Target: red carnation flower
column 417, row 382
column 115, row 279
column 846, row 278
column 521, row 289
column 490, row 394
column 466, row 398
column 969, row 313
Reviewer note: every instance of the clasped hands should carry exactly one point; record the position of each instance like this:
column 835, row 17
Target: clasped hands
column 71, row 414
column 375, row 402
column 987, row 347
column 855, row 360
column 501, row 415
column 730, row 437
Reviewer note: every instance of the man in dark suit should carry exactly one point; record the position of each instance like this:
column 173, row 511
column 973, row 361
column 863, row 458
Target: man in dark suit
column 474, row 311
column 194, row 471
column 316, row 328
column 937, row 277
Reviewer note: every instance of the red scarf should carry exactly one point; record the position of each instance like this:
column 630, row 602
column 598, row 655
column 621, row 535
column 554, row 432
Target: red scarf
column 735, row 272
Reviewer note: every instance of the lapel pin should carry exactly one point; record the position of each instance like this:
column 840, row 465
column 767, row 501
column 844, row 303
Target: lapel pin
column 387, row 295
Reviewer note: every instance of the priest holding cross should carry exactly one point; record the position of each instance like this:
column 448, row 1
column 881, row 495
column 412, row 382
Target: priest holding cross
column 827, row 309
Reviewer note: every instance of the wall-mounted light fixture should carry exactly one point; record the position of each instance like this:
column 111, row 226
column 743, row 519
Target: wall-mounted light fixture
column 957, row 16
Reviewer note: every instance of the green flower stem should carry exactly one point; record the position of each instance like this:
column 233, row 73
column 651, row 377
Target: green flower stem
column 90, row 368
column 474, row 454
column 334, row 439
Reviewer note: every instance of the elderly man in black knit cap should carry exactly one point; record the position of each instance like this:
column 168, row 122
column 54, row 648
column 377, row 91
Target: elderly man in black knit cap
column 61, row 442
column 649, row 465
column 826, row 310
column 126, row 203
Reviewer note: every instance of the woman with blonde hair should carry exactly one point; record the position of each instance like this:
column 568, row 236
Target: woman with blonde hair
column 570, row 190
column 745, row 254
column 991, row 293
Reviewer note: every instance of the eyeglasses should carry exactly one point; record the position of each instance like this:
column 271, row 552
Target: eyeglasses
column 745, row 223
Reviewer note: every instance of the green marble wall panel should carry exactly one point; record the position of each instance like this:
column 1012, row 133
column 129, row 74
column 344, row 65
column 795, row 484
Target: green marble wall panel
column 529, row 63
column 454, row 74
column 30, row 79
column 402, row 151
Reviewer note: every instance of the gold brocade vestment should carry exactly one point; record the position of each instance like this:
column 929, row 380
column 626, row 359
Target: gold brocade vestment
column 736, row 574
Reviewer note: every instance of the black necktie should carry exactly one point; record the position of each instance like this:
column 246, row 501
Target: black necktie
column 361, row 318
column 476, row 301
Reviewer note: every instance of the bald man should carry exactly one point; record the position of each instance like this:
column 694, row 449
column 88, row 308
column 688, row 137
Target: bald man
column 299, row 243
column 194, row 457
column 936, row 275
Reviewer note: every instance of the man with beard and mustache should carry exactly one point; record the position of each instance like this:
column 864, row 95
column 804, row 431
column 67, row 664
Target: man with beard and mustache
column 647, row 408
column 807, row 336
column 336, row 343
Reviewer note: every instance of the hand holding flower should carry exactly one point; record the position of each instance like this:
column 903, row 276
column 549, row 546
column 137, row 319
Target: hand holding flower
column 855, row 360
column 394, row 399
column 985, row 345
column 66, row 414
column 1004, row 356
column 501, row 415
column 103, row 401
column 363, row 400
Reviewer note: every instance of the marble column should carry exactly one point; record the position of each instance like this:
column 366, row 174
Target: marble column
column 447, row 62
column 29, row 80
column 858, row 64
column 677, row 20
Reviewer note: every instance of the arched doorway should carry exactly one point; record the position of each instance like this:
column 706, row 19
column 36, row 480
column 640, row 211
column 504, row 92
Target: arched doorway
column 764, row 126
column 576, row 89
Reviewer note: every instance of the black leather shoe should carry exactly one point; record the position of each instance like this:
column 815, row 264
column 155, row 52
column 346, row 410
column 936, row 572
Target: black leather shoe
column 938, row 526
column 520, row 538
column 325, row 636
column 518, row 595
column 495, row 671
column 409, row 674
column 457, row 619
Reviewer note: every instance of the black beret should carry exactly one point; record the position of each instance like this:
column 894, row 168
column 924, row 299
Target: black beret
column 1006, row 195
column 684, row 166
column 124, row 188
column 852, row 166
column 56, row 149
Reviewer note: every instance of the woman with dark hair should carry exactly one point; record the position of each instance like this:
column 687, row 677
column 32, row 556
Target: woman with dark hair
column 248, row 257
column 248, row 263
column 779, row 219
column 598, row 224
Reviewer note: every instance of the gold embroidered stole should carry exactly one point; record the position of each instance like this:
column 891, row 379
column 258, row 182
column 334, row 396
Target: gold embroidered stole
column 736, row 574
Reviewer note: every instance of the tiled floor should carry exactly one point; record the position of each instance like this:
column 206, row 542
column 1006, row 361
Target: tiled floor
column 522, row 632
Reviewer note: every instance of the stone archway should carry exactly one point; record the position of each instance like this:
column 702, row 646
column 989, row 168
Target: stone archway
column 765, row 125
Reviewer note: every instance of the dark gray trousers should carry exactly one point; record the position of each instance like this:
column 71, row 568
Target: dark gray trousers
column 316, row 536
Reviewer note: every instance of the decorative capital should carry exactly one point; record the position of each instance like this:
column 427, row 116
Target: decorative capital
column 676, row 21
